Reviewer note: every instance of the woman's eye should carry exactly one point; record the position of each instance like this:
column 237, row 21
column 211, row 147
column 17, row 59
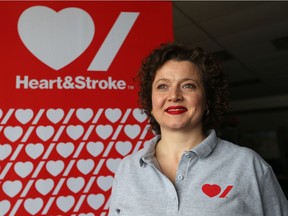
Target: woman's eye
column 189, row 85
column 161, row 86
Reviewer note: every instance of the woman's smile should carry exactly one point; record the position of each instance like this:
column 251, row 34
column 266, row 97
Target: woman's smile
column 176, row 110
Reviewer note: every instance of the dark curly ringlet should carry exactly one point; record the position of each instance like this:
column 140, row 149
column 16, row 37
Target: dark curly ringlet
column 215, row 83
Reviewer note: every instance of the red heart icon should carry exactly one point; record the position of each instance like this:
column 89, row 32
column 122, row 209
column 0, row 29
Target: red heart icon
column 211, row 190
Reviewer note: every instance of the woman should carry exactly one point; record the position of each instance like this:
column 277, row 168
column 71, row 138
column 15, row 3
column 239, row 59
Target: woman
column 186, row 169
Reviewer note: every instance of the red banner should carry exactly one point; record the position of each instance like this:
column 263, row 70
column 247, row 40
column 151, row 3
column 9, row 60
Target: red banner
column 68, row 111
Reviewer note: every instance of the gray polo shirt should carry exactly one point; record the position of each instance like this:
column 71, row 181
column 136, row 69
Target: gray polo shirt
column 216, row 178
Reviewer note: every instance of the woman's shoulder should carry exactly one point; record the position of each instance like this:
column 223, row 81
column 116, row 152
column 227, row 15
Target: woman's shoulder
column 240, row 150
column 242, row 155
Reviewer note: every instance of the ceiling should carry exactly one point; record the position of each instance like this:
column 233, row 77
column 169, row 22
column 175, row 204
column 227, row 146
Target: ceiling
column 251, row 38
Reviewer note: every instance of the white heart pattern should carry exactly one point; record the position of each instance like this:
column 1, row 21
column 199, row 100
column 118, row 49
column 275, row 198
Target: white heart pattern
column 95, row 201
column 12, row 188
column 55, row 167
column 112, row 164
column 65, row 149
column 139, row 115
column 4, row 206
column 34, row 150
column 95, row 148
column 75, row 184
column 45, row 132
column 65, row 203
column 88, row 214
column 132, row 131
column 113, row 115
column 24, row 115
column 13, row 133
column 44, row 186
column 85, row 166
column 104, row 131
column 5, row 151
column 53, row 37
column 55, row 115
column 33, row 205
column 145, row 144
column 105, row 182
column 84, row 115
column 123, row 147
column 75, row 131
column 23, row 169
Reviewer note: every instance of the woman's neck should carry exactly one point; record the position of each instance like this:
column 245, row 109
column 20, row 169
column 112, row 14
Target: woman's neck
column 174, row 143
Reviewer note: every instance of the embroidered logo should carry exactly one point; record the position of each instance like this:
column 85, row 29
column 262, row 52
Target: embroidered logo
column 213, row 190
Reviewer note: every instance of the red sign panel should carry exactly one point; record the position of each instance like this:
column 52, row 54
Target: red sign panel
column 68, row 111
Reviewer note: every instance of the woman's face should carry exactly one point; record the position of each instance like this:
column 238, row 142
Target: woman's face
column 178, row 96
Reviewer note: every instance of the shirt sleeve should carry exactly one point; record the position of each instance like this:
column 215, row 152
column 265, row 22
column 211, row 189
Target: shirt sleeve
column 274, row 201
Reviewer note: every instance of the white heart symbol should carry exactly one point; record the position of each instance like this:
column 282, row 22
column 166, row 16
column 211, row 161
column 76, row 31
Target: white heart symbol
column 85, row 166
column 84, row 115
column 24, row 116
column 95, row 148
column 104, row 131
column 5, row 151
column 13, row 133
column 113, row 115
column 123, row 147
column 56, row 38
column 44, row 186
column 55, row 115
column 105, row 183
column 23, row 169
column 88, row 214
column 34, row 150
column 12, row 188
column 55, row 167
column 33, row 205
column 132, row 131
column 75, row 131
column 139, row 115
column 113, row 164
column 146, row 144
column 65, row 203
column 45, row 132
column 75, row 184
column 4, row 206
column 95, row 201
column 65, row 149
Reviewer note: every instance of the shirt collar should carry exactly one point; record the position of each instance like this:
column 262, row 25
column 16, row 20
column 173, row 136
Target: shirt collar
column 202, row 150
column 149, row 150
column 206, row 146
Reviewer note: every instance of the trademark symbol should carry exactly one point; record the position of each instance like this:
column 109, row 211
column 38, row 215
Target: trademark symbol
column 131, row 87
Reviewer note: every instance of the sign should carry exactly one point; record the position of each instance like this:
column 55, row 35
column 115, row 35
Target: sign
column 68, row 112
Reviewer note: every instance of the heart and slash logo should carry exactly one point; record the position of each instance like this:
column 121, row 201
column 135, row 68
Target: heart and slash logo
column 53, row 37
column 212, row 190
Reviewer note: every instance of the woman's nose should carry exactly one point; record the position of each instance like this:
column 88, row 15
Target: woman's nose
column 175, row 95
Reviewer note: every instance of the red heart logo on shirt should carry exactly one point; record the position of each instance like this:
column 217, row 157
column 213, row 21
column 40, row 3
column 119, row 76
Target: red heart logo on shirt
column 211, row 190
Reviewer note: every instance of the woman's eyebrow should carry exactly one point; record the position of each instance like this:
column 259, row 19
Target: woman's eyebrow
column 161, row 79
column 181, row 80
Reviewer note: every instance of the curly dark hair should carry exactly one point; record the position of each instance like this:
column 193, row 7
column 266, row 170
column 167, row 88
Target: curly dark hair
column 215, row 83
